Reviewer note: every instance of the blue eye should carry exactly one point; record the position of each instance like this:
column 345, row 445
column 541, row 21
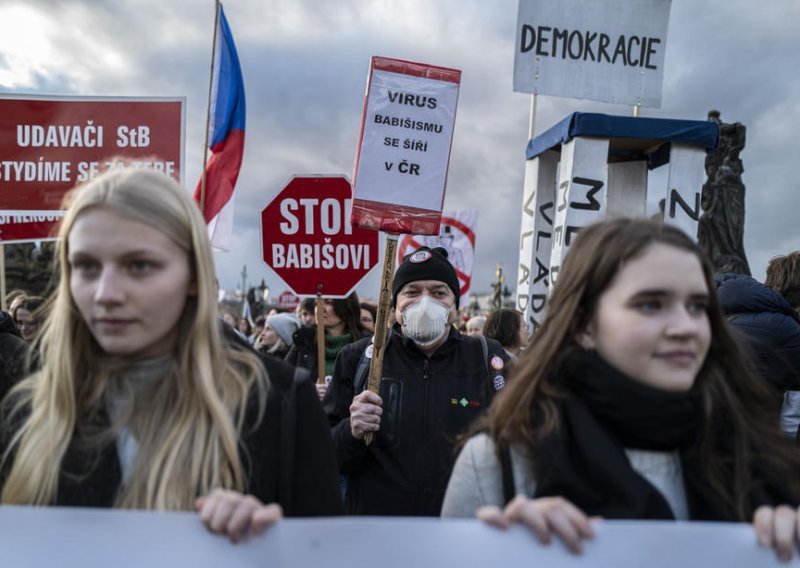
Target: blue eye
column 648, row 305
column 698, row 307
column 140, row 266
column 86, row 268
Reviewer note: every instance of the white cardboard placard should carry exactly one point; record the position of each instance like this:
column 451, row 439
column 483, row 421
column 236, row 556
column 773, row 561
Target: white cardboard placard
column 611, row 51
column 538, row 209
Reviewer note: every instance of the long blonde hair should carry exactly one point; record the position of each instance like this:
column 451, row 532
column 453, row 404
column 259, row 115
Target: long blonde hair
column 189, row 426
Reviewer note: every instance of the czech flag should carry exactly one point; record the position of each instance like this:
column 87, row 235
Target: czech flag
column 226, row 137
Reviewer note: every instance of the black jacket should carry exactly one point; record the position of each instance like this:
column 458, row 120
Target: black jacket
column 93, row 479
column 427, row 404
column 303, row 352
column 769, row 326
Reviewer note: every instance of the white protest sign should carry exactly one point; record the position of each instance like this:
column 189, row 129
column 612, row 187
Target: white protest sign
column 580, row 196
column 535, row 240
column 404, row 146
column 610, row 51
column 87, row 538
column 686, row 176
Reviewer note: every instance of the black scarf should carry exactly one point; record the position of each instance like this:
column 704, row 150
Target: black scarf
column 606, row 412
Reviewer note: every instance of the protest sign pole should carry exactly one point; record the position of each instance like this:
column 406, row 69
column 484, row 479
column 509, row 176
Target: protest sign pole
column 532, row 120
column 381, row 319
column 208, row 109
column 320, row 313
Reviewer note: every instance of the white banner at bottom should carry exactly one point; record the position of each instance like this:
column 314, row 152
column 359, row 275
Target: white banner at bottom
column 86, row 538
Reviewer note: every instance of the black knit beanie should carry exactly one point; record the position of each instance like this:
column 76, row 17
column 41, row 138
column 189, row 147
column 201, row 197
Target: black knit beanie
column 426, row 264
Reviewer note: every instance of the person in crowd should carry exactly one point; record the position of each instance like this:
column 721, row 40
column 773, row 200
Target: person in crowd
column 228, row 318
column 306, row 310
column 435, row 382
column 369, row 313
column 245, row 328
column 27, row 315
column 14, row 297
column 258, row 327
column 508, row 327
column 142, row 399
column 475, row 325
column 770, row 328
column 277, row 338
column 634, row 402
column 342, row 321
column 783, row 276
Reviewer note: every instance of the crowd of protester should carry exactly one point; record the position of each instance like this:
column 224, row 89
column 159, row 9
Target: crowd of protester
column 653, row 390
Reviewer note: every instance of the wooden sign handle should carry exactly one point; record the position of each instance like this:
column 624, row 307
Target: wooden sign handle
column 320, row 314
column 382, row 318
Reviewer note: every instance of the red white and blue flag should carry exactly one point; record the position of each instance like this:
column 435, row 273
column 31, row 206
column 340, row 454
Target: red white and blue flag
column 226, row 137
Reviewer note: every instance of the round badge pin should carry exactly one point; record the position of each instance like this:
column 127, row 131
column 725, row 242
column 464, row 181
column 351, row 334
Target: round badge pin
column 497, row 363
column 499, row 382
column 419, row 256
column 368, row 352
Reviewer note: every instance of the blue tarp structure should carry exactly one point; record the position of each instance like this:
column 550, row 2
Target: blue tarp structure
column 630, row 137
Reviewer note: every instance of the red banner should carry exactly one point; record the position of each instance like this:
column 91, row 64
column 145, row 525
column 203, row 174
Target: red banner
column 48, row 145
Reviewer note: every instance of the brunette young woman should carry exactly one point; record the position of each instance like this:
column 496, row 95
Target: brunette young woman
column 140, row 400
column 633, row 402
column 342, row 321
column 508, row 328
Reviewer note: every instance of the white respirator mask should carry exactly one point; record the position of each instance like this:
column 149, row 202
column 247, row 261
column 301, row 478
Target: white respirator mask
column 425, row 321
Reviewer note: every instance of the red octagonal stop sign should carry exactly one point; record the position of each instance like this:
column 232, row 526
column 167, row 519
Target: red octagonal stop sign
column 309, row 242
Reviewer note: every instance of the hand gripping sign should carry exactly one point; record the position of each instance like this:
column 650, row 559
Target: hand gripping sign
column 401, row 164
column 308, row 241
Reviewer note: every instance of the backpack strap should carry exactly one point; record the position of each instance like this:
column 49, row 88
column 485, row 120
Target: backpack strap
column 287, row 442
column 507, row 471
column 485, row 349
column 362, row 370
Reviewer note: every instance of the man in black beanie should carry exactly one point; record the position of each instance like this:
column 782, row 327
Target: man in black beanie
column 435, row 383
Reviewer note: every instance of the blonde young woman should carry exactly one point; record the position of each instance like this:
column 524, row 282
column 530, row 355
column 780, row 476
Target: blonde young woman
column 633, row 402
column 140, row 401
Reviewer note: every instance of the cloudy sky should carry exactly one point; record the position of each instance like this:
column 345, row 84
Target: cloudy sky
column 305, row 65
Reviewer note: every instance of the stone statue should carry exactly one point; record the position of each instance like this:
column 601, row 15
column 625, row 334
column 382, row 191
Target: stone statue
column 721, row 228
column 497, row 287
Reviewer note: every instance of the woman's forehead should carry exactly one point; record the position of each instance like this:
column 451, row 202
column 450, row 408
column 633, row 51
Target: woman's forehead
column 661, row 267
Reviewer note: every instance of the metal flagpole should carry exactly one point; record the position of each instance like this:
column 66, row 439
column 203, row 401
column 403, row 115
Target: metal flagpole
column 208, row 111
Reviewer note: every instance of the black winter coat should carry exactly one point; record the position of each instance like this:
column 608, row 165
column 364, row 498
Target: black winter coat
column 427, row 404
column 769, row 326
column 314, row 491
column 303, row 352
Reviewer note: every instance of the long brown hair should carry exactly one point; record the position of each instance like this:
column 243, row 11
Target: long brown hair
column 349, row 311
column 734, row 402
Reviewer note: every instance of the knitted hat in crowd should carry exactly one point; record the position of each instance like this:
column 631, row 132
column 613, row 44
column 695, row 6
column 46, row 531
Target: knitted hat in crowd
column 284, row 325
column 426, row 264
